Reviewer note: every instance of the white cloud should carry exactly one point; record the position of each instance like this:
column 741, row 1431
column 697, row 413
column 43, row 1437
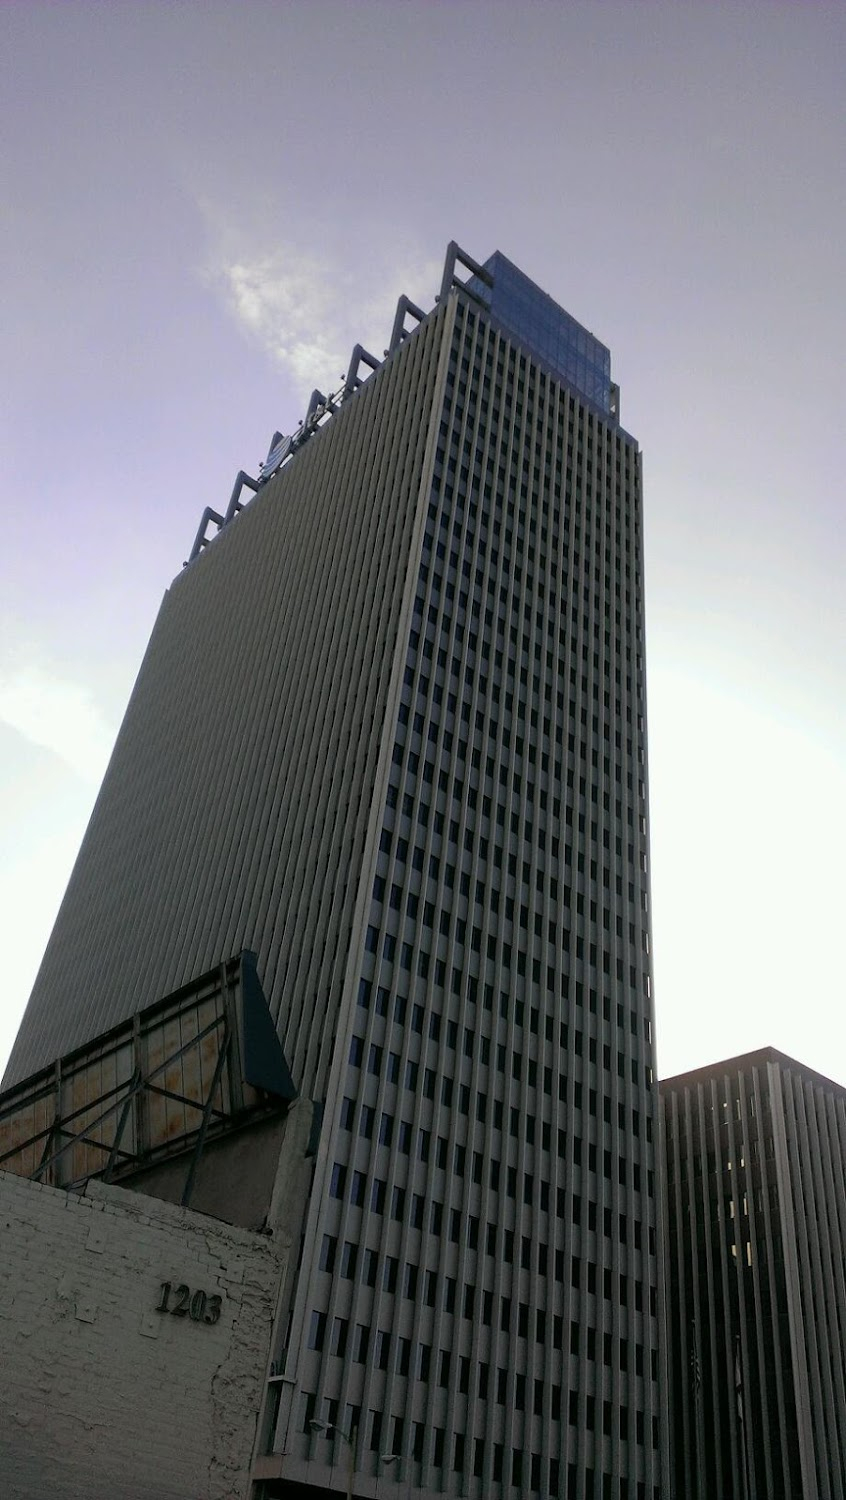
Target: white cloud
column 286, row 301
column 56, row 713
column 308, row 308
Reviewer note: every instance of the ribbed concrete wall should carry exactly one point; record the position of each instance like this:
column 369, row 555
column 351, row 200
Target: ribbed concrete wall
column 756, row 1217
column 812, row 1153
column 478, row 1286
column 235, row 807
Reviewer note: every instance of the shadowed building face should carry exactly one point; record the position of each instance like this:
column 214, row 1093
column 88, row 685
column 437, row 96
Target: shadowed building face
column 756, row 1214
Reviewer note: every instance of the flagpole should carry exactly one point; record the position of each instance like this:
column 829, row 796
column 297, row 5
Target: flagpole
column 696, row 1376
column 738, row 1391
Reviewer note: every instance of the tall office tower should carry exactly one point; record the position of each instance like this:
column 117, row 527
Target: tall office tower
column 389, row 735
column 756, row 1224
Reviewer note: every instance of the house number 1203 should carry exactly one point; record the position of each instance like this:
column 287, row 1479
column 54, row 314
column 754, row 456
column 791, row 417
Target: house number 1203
column 181, row 1302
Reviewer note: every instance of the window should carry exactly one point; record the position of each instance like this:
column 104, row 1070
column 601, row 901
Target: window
column 317, row 1330
column 382, row 1349
column 375, row 1430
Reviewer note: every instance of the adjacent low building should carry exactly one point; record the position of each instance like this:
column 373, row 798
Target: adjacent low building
column 756, row 1288
column 136, row 1338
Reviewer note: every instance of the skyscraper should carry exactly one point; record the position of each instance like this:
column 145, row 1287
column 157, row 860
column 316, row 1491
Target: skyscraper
column 756, row 1289
column 390, row 735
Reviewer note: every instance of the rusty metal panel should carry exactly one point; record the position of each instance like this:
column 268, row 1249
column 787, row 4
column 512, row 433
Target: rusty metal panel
column 139, row 1092
column 23, row 1132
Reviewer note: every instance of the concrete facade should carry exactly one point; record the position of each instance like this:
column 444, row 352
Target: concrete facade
column 478, row 1296
column 102, row 1396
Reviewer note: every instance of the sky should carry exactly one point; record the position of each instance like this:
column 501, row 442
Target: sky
column 207, row 205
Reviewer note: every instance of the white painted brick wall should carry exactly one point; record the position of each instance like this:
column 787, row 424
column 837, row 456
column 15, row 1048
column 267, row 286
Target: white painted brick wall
column 101, row 1396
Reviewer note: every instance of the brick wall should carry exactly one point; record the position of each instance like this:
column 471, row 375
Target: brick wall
column 102, row 1396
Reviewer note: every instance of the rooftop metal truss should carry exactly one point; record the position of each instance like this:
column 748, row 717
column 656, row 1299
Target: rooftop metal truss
column 321, row 407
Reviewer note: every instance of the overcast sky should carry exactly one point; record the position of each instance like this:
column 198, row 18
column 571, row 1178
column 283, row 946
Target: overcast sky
column 207, row 204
